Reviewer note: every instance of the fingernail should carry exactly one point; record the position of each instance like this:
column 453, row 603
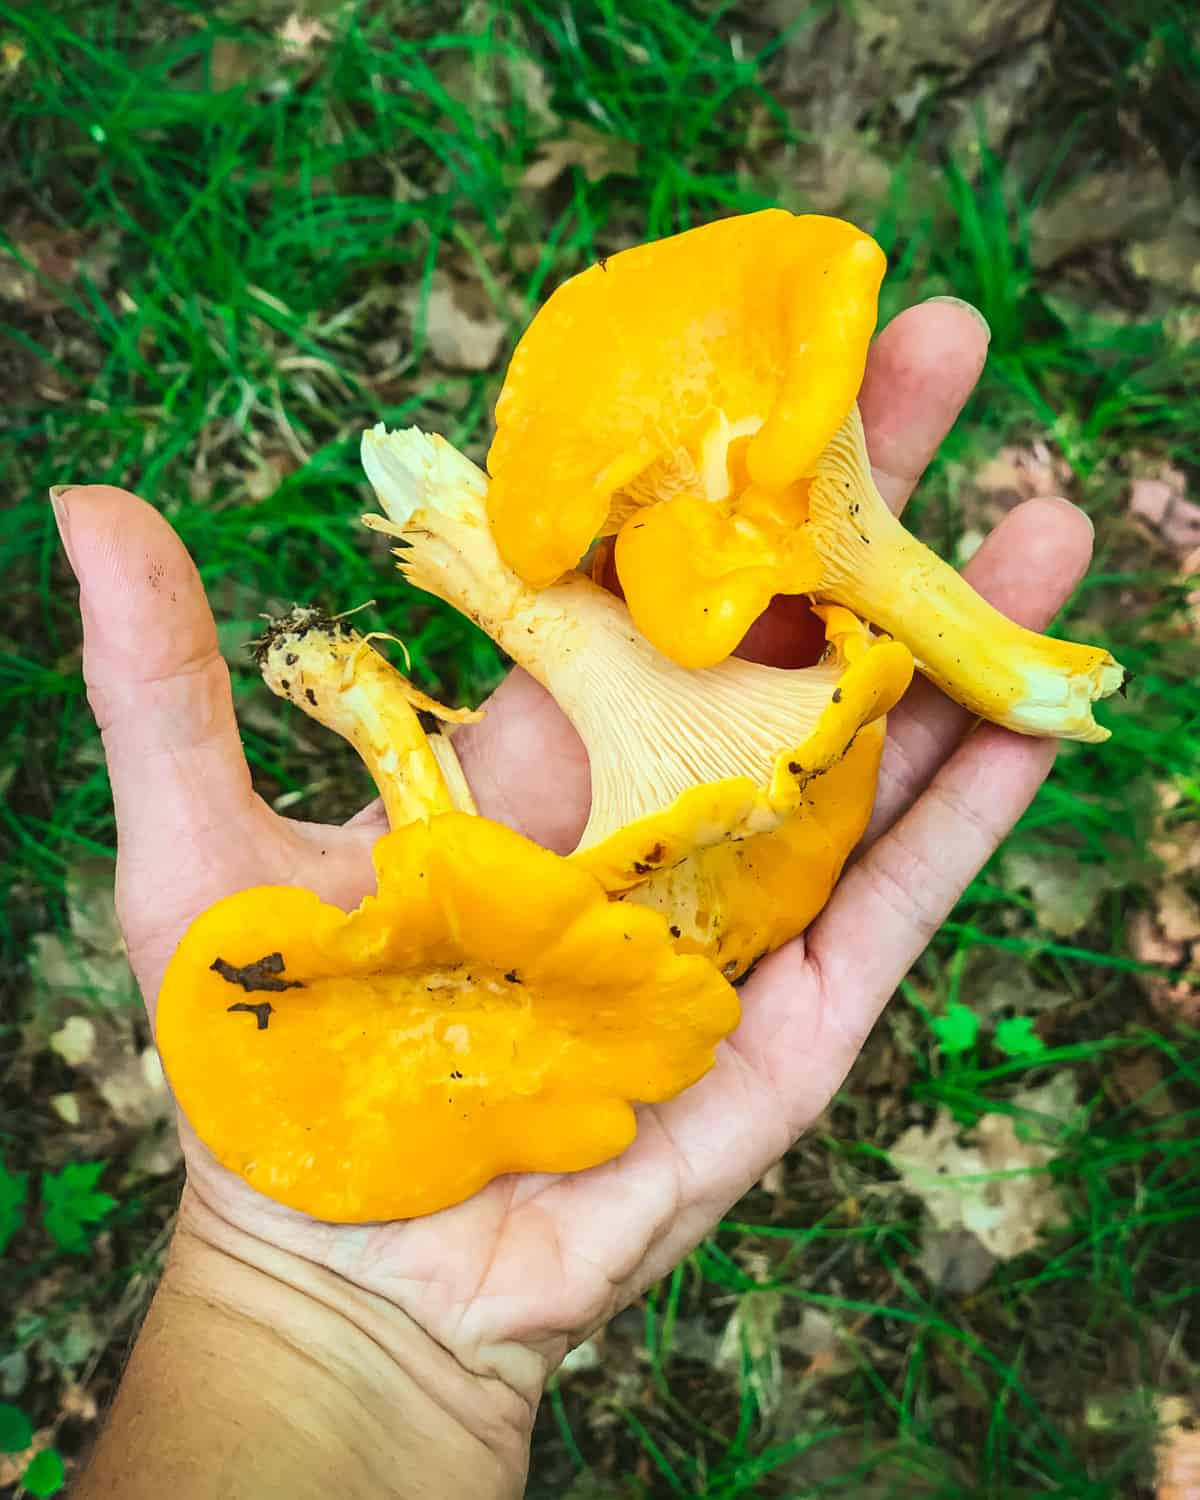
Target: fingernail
column 62, row 517
column 968, row 307
column 1079, row 510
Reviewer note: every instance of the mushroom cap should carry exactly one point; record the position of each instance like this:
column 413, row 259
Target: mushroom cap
column 638, row 378
column 487, row 1011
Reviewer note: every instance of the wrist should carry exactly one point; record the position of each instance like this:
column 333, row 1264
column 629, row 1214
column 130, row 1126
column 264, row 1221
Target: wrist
column 346, row 1367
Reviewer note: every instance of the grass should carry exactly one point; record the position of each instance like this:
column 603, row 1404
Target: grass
column 251, row 237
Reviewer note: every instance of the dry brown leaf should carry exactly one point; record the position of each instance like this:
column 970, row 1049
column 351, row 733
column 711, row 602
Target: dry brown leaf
column 1023, row 472
column 1161, row 501
column 66, row 1107
column 595, row 152
column 956, row 1260
column 1175, row 996
column 75, row 1041
column 233, row 61
column 823, row 1343
column 988, row 1180
column 1178, row 912
column 299, row 33
column 751, row 1338
column 1141, row 1081
column 77, row 1402
column 1065, row 892
column 53, row 257
column 461, row 336
column 1098, row 208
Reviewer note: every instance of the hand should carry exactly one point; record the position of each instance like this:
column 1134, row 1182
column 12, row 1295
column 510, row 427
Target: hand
column 508, row 1281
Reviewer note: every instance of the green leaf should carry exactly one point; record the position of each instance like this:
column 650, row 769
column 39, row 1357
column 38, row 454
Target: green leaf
column 45, row 1474
column 16, row 1430
column 1016, row 1037
column 956, row 1030
column 70, row 1202
column 12, row 1197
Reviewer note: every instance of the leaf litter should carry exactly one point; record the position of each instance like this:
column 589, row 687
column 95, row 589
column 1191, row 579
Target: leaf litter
column 991, row 1181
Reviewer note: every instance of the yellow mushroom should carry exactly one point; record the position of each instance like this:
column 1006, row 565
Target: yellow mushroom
column 695, row 398
column 487, row 1010
column 680, row 760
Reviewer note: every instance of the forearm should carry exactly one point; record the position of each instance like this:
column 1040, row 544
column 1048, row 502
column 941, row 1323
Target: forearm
column 273, row 1379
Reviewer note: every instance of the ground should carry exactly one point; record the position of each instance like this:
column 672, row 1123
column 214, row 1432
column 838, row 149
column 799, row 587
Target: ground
column 230, row 236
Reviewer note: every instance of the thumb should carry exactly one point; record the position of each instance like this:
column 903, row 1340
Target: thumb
column 155, row 680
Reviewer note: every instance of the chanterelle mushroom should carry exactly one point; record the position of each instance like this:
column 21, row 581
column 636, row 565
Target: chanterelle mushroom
column 680, row 760
column 695, row 397
column 488, row 1010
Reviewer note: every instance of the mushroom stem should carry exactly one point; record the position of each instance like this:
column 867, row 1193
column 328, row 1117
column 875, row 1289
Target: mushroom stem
column 995, row 668
column 336, row 676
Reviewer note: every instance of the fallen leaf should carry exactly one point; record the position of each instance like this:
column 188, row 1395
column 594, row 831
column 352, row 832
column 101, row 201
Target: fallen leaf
column 233, row 61
column 66, row 1107
column 75, row 1042
column 956, row 1260
column 1141, row 1081
column 750, row 1343
column 596, row 153
column 822, row 1342
column 1162, row 502
column 71, row 1343
column 135, row 1089
column 299, row 33
column 1150, row 945
column 989, row 1180
column 77, row 1402
column 993, row 987
column 1097, row 208
column 1177, row 997
column 1023, row 472
column 1064, row 891
column 1178, row 912
column 461, row 337
column 45, row 262
column 14, row 1372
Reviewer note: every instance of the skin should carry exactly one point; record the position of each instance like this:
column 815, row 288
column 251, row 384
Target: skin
column 453, row 1322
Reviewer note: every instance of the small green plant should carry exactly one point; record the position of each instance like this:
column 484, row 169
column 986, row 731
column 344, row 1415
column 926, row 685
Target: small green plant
column 13, row 1187
column 1015, row 1037
column 45, row 1475
column 956, row 1031
column 71, row 1204
column 46, row 1471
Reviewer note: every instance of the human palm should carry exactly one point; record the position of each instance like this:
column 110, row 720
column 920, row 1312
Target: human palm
column 538, row 1260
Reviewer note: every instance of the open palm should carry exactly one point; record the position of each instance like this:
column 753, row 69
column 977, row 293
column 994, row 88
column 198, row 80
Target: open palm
column 534, row 1262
